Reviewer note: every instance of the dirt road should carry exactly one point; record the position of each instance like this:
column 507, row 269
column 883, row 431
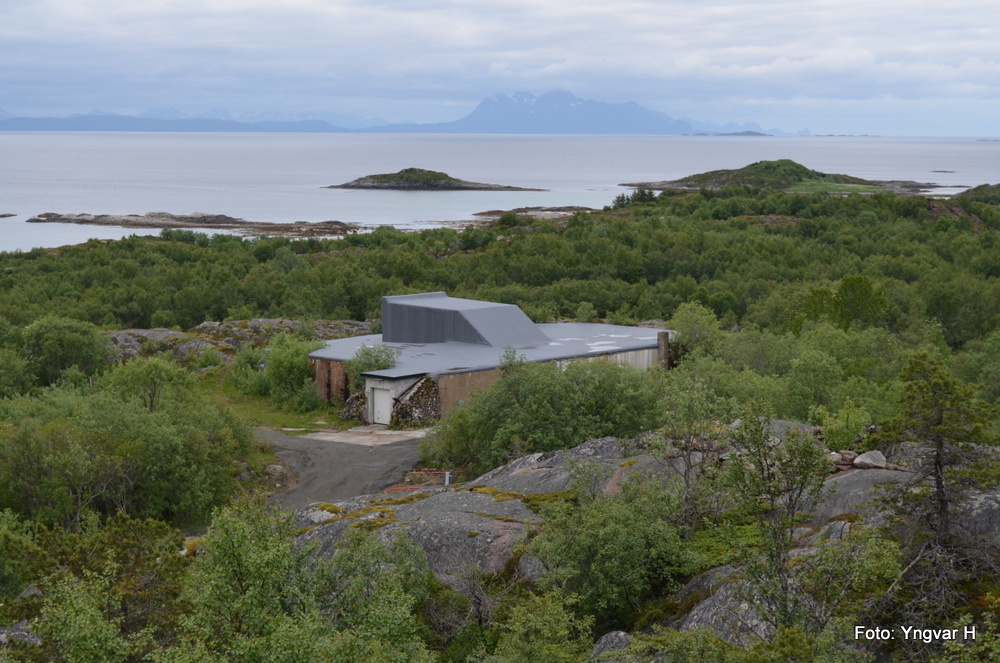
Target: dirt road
column 328, row 470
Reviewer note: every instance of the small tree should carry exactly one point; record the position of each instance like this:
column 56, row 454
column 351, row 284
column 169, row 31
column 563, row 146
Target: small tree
column 55, row 344
column 945, row 428
column 369, row 358
column 150, row 381
column 776, row 483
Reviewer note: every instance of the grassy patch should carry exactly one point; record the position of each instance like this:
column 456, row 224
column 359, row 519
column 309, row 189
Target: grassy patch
column 260, row 411
column 406, row 499
column 722, row 545
column 191, row 546
column 498, row 495
column 536, row 501
column 827, row 186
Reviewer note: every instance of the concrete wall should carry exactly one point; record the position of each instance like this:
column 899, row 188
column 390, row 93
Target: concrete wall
column 640, row 359
column 331, row 379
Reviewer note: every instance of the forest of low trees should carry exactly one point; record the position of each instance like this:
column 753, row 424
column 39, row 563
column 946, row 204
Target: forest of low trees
column 874, row 316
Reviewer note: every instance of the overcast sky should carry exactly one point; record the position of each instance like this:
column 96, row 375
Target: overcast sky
column 843, row 66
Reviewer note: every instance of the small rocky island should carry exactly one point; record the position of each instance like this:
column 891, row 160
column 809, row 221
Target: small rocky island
column 418, row 179
column 785, row 175
column 200, row 221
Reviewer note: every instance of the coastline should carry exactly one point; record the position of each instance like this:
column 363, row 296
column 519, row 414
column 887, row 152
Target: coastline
column 201, row 221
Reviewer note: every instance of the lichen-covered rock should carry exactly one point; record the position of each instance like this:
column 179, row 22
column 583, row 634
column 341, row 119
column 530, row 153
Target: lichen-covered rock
column 615, row 641
column 850, row 492
column 981, row 518
column 455, row 527
column 548, row 472
column 224, row 337
column 718, row 601
column 20, row 633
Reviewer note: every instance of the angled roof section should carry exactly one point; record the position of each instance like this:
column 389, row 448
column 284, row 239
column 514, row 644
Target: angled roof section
column 434, row 317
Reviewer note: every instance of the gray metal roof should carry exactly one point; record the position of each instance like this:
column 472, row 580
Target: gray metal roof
column 561, row 341
column 434, row 317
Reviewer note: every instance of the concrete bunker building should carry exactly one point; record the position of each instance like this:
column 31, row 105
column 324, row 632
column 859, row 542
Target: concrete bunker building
column 451, row 347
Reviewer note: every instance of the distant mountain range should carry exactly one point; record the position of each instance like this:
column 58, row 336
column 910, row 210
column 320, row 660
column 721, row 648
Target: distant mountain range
column 523, row 113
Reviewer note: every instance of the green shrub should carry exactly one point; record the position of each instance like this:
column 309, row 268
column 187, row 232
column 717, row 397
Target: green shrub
column 539, row 407
column 55, row 344
column 369, row 358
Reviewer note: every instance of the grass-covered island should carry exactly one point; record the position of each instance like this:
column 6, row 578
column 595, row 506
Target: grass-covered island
column 783, row 175
column 418, row 179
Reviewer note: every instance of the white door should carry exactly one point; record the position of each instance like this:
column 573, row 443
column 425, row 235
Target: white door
column 381, row 406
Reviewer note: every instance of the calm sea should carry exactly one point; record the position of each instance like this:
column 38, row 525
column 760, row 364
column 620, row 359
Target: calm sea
column 279, row 177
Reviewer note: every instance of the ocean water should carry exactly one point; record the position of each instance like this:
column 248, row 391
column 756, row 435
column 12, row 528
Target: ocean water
column 280, row 177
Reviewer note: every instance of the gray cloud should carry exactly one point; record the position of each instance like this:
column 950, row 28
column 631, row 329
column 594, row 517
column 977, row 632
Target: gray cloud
column 845, row 66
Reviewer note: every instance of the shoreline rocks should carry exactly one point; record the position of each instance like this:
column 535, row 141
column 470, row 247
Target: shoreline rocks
column 202, row 221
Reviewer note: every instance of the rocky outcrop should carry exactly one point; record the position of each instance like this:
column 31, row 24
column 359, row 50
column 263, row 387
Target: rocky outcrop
column 202, row 221
column 20, row 633
column 224, row 337
column 615, row 641
column 715, row 599
column 419, row 179
column 851, row 492
column 481, row 522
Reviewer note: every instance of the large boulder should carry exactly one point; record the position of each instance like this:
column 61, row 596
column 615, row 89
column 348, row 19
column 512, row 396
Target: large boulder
column 870, row 460
column 851, row 493
column 717, row 599
column 454, row 527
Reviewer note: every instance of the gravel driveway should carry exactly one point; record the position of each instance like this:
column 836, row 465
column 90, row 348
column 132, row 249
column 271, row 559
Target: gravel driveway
column 329, row 470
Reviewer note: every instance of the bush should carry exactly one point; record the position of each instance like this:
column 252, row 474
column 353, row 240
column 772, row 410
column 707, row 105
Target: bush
column 288, row 367
column 369, row 358
column 55, row 344
column 539, row 407
column 614, row 552
column 283, row 372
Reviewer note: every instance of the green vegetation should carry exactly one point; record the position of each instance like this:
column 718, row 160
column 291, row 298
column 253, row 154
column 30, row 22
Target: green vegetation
column 416, row 177
column 375, row 357
column 282, row 371
column 540, row 407
column 783, row 174
column 843, row 310
column 832, row 186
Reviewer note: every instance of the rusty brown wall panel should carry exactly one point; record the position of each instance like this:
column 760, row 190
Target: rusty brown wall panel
column 338, row 379
column 331, row 379
column 321, row 372
column 458, row 387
